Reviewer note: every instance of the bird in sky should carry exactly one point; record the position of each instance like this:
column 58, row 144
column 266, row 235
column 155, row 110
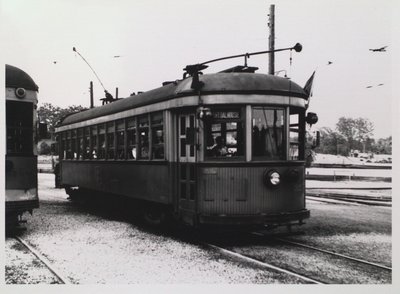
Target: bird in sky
column 368, row 87
column 55, row 62
column 382, row 49
column 117, row 56
column 329, row 62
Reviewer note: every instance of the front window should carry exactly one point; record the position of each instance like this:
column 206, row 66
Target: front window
column 268, row 133
column 224, row 134
column 19, row 121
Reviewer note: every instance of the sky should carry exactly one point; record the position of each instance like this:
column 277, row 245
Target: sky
column 156, row 39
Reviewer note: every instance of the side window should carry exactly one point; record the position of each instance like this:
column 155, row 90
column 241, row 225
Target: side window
column 110, row 140
column 132, row 138
column 94, row 146
column 268, row 133
column 224, row 134
column 73, row 144
column 68, row 153
column 80, row 150
column 120, row 139
column 296, row 135
column 157, row 132
column 86, row 143
column 102, row 142
column 143, row 137
column 62, row 145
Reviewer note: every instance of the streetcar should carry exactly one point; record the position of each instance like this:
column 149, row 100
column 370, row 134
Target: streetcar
column 218, row 149
column 21, row 193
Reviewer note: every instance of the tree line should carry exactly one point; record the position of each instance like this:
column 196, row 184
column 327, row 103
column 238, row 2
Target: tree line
column 351, row 135
column 53, row 115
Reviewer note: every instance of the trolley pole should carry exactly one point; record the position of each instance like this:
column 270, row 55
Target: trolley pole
column 91, row 95
column 271, row 24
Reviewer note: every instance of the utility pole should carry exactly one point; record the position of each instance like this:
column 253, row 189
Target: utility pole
column 271, row 24
column 91, row 95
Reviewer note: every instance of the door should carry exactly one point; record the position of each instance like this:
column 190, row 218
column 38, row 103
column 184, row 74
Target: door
column 186, row 166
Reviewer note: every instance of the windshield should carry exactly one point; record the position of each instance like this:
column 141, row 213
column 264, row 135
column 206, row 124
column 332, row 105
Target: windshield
column 224, row 134
column 268, row 133
column 19, row 121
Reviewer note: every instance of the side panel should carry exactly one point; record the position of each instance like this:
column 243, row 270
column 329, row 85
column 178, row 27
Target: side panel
column 21, row 172
column 21, row 184
column 147, row 181
column 241, row 190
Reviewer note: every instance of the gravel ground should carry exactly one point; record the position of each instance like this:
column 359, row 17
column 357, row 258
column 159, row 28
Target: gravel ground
column 23, row 267
column 97, row 246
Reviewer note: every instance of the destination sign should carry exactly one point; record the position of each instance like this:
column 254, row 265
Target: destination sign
column 226, row 114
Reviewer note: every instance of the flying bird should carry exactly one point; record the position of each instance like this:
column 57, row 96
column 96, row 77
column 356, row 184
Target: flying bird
column 382, row 49
column 55, row 62
column 329, row 62
column 117, row 56
column 373, row 86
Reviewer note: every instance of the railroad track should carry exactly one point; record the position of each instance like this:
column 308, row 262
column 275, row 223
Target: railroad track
column 377, row 265
column 260, row 263
column 369, row 271
column 43, row 260
column 365, row 263
column 348, row 197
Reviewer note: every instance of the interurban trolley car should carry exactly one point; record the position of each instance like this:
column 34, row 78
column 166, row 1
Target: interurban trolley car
column 21, row 193
column 216, row 149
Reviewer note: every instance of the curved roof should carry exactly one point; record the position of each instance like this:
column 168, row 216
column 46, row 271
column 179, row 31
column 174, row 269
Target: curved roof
column 17, row 78
column 217, row 83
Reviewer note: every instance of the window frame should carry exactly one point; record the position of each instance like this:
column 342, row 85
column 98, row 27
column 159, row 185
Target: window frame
column 154, row 127
column 241, row 109
column 20, row 128
column 301, row 130
column 284, row 134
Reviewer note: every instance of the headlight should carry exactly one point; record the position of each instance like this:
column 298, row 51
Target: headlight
column 20, row 92
column 272, row 178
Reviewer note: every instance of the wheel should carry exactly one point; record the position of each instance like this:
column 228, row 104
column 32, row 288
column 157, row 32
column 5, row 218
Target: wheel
column 154, row 215
column 12, row 220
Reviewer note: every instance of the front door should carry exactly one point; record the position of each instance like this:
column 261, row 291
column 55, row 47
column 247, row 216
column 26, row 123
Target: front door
column 186, row 166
